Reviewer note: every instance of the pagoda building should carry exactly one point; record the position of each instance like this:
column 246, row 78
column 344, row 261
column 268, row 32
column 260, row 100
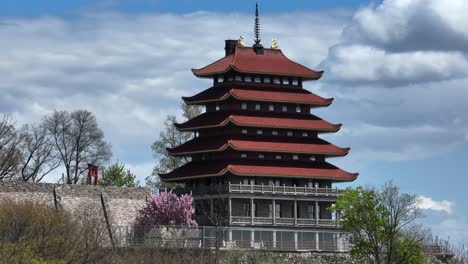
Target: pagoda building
column 257, row 160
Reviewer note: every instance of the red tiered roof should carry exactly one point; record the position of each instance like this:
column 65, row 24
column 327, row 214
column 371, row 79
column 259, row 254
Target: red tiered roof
column 271, row 62
column 198, row 169
column 216, row 144
column 221, row 94
column 218, row 119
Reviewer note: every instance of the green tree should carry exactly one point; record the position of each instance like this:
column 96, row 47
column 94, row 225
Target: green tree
column 381, row 225
column 117, row 175
column 170, row 137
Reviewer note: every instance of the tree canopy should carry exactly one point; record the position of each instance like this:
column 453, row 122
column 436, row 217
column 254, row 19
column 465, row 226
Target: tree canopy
column 381, row 225
column 166, row 208
column 117, row 175
column 170, row 137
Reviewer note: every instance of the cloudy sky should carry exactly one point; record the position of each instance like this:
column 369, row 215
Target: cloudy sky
column 398, row 70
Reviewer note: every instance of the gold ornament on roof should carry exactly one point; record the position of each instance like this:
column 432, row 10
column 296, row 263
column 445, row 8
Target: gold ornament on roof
column 274, row 44
column 240, row 41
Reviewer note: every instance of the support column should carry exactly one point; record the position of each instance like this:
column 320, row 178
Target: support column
column 274, row 238
column 230, row 234
column 295, row 241
column 211, row 208
column 317, row 242
column 274, row 212
column 337, row 219
column 252, row 211
column 317, row 213
column 295, row 212
column 230, row 209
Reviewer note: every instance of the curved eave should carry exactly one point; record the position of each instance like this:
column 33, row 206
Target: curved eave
column 350, row 176
column 187, row 100
column 353, row 176
column 174, row 152
column 334, row 127
column 197, row 73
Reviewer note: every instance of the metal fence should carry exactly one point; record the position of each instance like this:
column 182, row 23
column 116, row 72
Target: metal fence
column 209, row 237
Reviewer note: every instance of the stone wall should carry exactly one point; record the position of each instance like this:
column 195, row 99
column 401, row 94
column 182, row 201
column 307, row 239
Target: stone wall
column 118, row 204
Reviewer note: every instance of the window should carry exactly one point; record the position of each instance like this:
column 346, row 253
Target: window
column 289, row 133
column 260, row 132
column 310, row 211
column 248, row 78
column 246, row 208
column 238, row 78
column 276, row 81
column 257, row 107
column 274, row 133
column 257, row 79
column 285, row 81
column 277, row 210
column 244, row 155
column 295, row 82
column 244, row 131
column 284, row 108
column 278, row 157
column 266, row 80
column 244, row 106
column 298, row 108
column 230, row 78
column 304, row 134
column 312, row 158
column 261, row 156
column 220, row 79
column 218, row 107
column 271, row 107
column 295, row 157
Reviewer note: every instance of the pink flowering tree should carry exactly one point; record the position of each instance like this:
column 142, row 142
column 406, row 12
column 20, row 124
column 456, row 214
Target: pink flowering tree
column 166, row 208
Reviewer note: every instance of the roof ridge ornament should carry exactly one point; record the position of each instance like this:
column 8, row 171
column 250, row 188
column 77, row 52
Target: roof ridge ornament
column 257, row 46
column 240, row 41
column 274, row 44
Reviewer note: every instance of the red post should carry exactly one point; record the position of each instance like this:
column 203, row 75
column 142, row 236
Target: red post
column 92, row 173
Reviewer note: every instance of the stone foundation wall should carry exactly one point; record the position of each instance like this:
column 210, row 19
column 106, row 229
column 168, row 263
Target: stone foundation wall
column 121, row 204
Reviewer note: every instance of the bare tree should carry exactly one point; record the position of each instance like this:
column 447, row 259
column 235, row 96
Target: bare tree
column 40, row 156
column 10, row 155
column 78, row 140
column 170, row 137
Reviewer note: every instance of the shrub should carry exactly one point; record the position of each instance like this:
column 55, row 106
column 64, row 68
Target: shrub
column 166, row 208
column 32, row 232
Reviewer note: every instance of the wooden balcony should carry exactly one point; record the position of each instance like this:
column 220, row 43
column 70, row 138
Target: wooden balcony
column 247, row 220
column 263, row 189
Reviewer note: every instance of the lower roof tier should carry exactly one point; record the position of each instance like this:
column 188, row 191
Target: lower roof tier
column 314, row 170
column 258, row 144
column 269, row 120
column 298, row 96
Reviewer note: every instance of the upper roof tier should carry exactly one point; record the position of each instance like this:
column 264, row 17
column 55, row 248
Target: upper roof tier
column 267, row 144
column 299, row 96
column 246, row 60
column 266, row 120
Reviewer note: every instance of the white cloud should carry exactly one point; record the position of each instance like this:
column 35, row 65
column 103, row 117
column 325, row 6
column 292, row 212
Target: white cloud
column 402, row 42
column 427, row 203
column 131, row 69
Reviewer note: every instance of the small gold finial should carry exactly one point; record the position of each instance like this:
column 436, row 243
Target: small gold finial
column 274, row 44
column 240, row 41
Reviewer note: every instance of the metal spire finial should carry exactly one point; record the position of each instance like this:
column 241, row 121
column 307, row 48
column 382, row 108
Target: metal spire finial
column 257, row 25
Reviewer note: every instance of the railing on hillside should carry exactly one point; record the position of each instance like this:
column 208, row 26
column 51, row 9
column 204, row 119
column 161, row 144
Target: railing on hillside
column 263, row 189
column 231, row 238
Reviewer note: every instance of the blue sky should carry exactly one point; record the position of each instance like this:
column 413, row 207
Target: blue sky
column 67, row 8
column 398, row 71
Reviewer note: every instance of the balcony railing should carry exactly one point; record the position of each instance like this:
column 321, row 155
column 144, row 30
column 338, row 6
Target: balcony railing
column 284, row 221
column 263, row 189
